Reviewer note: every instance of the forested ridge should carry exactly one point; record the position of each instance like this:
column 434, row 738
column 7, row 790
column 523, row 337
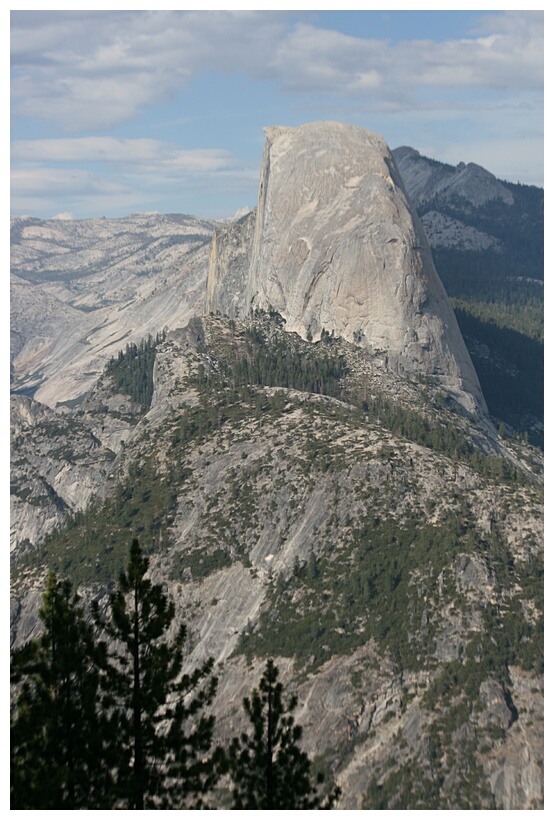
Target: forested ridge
column 231, row 385
column 413, row 517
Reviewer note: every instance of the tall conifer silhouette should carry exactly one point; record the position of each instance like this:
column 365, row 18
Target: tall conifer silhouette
column 61, row 755
column 267, row 766
column 161, row 766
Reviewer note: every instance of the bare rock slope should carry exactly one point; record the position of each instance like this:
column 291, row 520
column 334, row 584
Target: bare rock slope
column 336, row 246
column 82, row 289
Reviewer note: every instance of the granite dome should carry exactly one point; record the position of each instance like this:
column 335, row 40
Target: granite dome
column 336, row 245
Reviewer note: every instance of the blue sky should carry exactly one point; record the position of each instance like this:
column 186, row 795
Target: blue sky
column 121, row 111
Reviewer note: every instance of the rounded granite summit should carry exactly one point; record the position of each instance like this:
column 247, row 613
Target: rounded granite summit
column 336, row 245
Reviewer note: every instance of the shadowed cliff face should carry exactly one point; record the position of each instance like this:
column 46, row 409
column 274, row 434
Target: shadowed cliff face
column 335, row 246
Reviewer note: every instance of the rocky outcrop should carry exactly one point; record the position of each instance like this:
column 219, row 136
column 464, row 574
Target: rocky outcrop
column 516, row 767
column 57, row 466
column 445, row 232
column 230, row 256
column 463, row 208
column 336, row 246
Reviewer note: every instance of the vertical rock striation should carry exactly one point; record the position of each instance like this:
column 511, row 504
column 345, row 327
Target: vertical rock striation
column 335, row 245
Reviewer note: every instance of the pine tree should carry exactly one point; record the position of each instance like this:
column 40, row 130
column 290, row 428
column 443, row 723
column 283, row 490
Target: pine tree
column 268, row 769
column 160, row 765
column 60, row 753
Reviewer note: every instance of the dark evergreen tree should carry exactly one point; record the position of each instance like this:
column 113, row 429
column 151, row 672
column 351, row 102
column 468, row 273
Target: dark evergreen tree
column 61, row 757
column 268, row 768
column 160, row 765
column 132, row 371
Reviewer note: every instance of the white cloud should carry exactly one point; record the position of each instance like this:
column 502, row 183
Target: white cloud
column 312, row 59
column 41, row 190
column 92, row 70
column 86, row 72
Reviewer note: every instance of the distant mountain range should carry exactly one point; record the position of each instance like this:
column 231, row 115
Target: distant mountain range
column 466, row 209
column 83, row 289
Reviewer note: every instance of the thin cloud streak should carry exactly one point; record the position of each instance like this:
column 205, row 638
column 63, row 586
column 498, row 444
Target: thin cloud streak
column 123, row 151
column 61, row 181
column 122, row 62
column 145, row 176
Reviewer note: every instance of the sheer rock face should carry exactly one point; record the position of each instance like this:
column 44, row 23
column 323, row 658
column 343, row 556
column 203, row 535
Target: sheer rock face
column 335, row 245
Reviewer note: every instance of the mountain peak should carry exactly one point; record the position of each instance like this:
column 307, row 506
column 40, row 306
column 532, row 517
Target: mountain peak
column 335, row 245
column 427, row 178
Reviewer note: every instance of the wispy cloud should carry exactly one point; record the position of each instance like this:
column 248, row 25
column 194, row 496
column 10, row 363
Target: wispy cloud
column 42, row 189
column 81, row 171
column 92, row 70
column 509, row 57
column 56, row 181
column 144, row 155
